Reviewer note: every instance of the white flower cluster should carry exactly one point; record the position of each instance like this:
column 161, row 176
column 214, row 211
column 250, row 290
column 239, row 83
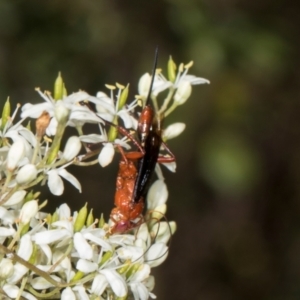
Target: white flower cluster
column 75, row 256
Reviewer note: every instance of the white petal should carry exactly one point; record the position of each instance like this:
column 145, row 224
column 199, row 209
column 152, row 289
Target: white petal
column 64, row 224
column 142, row 273
column 86, row 266
column 106, row 155
column 129, row 252
column 139, row 291
column 51, row 236
column 171, row 166
column 28, row 135
column 196, row 80
column 143, row 233
column 69, row 177
column 16, row 198
column 41, row 283
column 83, row 248
column 47, row 251
column 183, row 92
column 158, row 88
column 163, row 231
column 173, row 131
column 51, row 129
column 76, row 97
column 34, row 111
column 81, row 292
column 6, row 216
column 103, row 103
column 83, row 115
column 122, row 143
column 4, row 232
column 156, row 254
column 6, row 268
column 15, row 154
column 157, row 195
column 99, row 285
column 64, row 212
column 19, row 272
column 126, row 119
column 159, row 212
column 11, row 290
column 55, row 183
column 68, row 294
column 144, row 85
column 99, row 241
column 25, row 248
column 65, row 262
column 93, row 138
column 116, row 282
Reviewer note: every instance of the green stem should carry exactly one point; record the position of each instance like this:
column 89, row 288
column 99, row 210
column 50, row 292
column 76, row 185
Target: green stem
column 167, row 100
column 170, row 109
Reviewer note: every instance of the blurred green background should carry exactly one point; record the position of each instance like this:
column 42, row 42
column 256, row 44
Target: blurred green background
column 236, row 193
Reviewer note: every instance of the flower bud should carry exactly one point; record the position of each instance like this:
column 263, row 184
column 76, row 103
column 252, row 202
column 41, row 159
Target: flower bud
column 28, row 211
column 183, row 92
column 90, row 218
column 58, row 87
column 72, row 148
column 6, row 268
column 26, row 174
column 101, row 221
column 123, row 97
column 171, row 70
column 5, row 114
column 15, row 154
column 81, row 218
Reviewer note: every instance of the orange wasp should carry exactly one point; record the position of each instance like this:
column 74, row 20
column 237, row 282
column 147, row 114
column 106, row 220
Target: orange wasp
column 133, row 182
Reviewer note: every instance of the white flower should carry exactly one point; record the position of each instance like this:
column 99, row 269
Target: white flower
column 67, row 107
column 55, row 182
column 160, row 84
column 110, row 111
column 107, row 152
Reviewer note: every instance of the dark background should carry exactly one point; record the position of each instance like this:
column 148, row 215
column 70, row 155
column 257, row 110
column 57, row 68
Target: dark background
column 235, row 196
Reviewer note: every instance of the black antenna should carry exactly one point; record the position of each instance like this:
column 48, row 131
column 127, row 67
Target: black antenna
column 153, row 76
